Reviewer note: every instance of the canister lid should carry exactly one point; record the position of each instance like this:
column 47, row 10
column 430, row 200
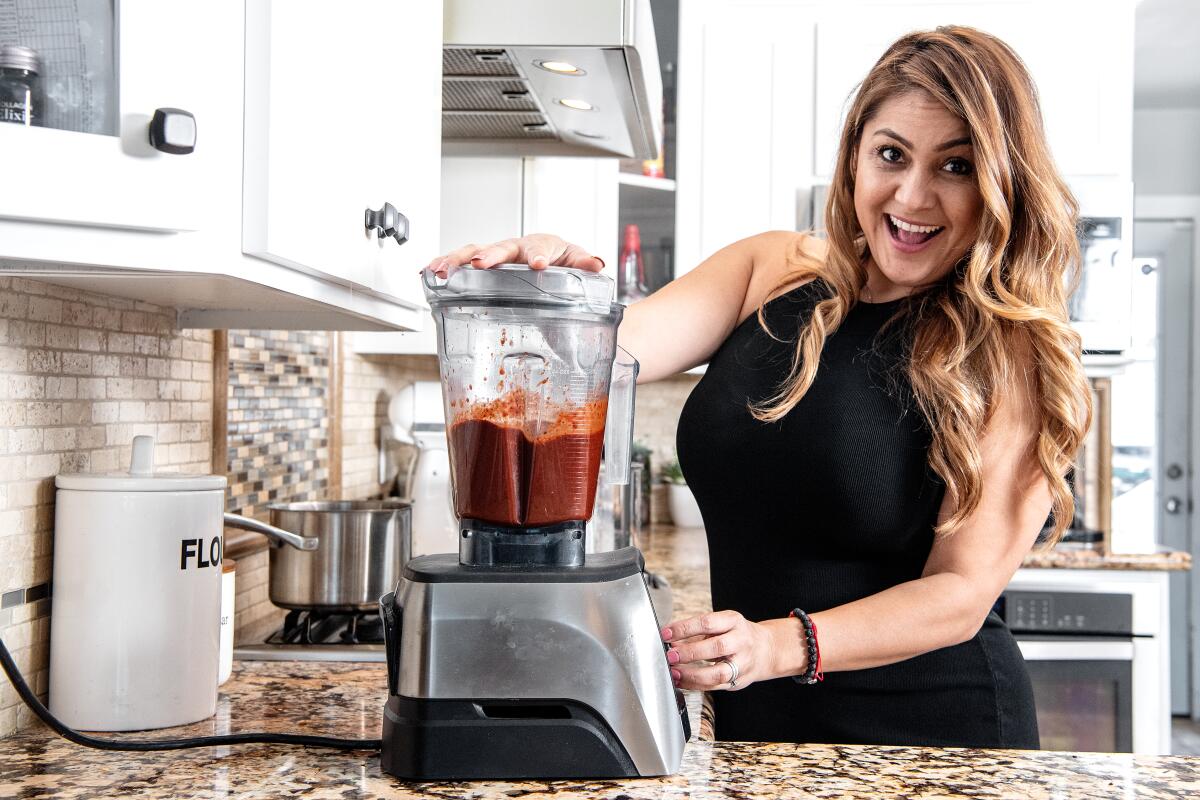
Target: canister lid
column 141, row 476
column 13, row 56
column 508, row 283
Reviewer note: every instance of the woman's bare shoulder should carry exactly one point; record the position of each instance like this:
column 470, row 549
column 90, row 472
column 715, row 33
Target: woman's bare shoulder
column 778, row 255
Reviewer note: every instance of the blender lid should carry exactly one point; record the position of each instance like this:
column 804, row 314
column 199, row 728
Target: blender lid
column 141, row 476
column 518, row 283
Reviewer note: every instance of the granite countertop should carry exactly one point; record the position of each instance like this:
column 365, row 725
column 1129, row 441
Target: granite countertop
column 346, row 699
column 1064, row 557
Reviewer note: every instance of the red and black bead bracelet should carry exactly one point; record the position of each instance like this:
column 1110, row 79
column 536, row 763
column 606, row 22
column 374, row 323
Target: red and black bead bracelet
column 813, row 673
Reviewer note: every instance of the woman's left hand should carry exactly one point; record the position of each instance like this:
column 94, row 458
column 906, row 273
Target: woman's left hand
column 723, row 638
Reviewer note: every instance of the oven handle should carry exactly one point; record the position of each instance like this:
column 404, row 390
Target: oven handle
column 1090, row 650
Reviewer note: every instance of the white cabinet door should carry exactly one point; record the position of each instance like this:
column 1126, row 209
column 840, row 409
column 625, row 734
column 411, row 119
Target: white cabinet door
column 744, row 121
column 120, row 181
column 1084, row 77
column 575, row 198
column 343, row 114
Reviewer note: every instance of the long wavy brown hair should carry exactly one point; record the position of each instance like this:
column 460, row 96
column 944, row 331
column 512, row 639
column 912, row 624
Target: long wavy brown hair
column 999, row 318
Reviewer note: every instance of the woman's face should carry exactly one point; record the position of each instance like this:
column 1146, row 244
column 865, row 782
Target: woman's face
column 915, row 194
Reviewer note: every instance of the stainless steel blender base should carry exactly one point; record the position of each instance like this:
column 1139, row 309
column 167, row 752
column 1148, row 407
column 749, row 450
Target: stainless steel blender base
column 492, row 671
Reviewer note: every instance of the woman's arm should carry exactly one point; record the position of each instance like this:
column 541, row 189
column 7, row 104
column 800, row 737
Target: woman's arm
column 963, row 576
column 682, row 324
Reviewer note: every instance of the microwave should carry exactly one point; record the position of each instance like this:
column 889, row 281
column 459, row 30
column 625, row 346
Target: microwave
column 1101, row 307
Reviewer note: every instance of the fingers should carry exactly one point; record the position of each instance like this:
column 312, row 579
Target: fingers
column 499, row 253
column 575, row 256
column 708, row 649
column 538, row 250
column 455, row 258
column 700, row 646
column 706, row 677
column 711, row 624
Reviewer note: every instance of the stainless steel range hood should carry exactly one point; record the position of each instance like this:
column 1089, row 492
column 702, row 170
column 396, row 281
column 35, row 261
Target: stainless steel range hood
column 508, row 87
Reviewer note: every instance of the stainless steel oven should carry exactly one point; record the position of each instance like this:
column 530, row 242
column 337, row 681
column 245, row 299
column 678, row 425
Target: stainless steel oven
column 1079, row 649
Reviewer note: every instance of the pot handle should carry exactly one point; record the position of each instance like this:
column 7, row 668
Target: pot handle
column 279, row 534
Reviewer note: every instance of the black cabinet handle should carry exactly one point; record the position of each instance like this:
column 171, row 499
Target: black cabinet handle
column 386, row 222
column 173, row 130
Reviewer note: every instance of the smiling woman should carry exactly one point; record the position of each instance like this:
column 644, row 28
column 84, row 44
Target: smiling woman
column 894, row 408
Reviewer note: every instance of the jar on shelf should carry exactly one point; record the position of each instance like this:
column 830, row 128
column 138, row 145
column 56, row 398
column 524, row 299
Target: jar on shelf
column 20, row 85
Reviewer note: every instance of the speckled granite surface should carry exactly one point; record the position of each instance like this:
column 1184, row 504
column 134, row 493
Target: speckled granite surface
column 1061, row 558
column 347, row 699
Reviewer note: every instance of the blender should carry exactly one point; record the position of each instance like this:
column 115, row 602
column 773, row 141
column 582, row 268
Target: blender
column 522, row 655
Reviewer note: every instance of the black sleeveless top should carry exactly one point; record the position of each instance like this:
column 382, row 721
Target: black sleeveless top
column 833, row 503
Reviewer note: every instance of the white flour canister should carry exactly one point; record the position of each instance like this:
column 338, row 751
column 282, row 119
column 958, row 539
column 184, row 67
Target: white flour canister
column 136, row 612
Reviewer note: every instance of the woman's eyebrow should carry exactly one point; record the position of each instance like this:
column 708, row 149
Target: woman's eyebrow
column 943, row 146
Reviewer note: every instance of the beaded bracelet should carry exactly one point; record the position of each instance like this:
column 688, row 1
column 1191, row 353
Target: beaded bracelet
column 813, row 673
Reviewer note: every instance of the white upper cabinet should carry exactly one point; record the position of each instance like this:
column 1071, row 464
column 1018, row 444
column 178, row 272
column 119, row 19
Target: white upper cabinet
column 744, row 121
column 343, row 117
column 1084, row 72
column 307, row 115
column 111, row 177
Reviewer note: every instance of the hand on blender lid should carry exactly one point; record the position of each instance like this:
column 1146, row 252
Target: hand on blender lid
column 538, row 250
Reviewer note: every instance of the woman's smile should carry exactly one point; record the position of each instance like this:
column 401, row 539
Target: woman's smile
column 908, row 236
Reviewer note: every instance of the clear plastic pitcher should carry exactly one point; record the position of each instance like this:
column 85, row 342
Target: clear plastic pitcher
column 527, row 365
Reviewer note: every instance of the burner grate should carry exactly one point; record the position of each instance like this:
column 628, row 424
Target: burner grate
column 329, row 627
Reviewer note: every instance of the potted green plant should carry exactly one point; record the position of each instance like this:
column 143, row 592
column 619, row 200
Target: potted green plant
column 684, row 511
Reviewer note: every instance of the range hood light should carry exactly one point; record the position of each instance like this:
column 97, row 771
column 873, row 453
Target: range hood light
column 516, row 78
column 559, row 67
column 578, row 105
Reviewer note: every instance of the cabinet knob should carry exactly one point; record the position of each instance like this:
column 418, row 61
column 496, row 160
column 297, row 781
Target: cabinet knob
column 173, row 130
column 386, row 222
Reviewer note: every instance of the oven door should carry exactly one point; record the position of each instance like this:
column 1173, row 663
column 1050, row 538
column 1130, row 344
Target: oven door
column 1083, row 689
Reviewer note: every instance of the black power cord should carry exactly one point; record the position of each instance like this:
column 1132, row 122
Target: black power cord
column 43, row 713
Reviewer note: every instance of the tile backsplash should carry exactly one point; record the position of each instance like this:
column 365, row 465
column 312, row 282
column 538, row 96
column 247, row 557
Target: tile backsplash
column 368, row 384
column 81, row 375
column 278, row 417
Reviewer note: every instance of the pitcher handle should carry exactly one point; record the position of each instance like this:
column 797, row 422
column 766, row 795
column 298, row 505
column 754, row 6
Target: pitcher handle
column 618, row 427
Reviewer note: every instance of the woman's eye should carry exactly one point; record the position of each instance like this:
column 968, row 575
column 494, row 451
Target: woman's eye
column 958, row 166
column 891, row 155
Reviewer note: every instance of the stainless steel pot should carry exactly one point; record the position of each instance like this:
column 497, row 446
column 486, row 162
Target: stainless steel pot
column 335, row 556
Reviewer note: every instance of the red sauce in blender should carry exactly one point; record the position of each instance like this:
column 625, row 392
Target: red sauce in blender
column 507, row 477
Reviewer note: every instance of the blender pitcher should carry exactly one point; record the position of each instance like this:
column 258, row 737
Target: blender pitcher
column 526, row 359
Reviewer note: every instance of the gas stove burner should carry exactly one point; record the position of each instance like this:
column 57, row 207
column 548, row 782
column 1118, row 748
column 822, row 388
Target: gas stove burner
column 329, row 627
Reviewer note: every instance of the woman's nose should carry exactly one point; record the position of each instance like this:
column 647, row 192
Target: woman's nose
column 915, row 190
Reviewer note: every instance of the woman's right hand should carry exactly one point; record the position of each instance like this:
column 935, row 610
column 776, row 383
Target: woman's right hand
column 538, row 250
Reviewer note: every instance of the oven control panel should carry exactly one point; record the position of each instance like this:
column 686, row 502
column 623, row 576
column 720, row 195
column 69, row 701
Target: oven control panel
column 1066, row 612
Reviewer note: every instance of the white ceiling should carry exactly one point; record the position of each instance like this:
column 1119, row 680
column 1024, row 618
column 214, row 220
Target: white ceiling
column 1166, row 72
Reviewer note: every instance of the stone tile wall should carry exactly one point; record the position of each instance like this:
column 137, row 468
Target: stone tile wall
column 80, row 375
column 368, row 384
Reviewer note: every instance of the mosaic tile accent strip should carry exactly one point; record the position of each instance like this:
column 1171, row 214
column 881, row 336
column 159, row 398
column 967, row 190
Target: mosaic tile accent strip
column 278, row 421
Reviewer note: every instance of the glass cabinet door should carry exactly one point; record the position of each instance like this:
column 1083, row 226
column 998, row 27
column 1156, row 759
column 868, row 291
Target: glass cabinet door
column 92, row 74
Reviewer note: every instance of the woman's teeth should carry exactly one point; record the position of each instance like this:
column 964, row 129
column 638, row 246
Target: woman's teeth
column 905, row 226
column 911, row 234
